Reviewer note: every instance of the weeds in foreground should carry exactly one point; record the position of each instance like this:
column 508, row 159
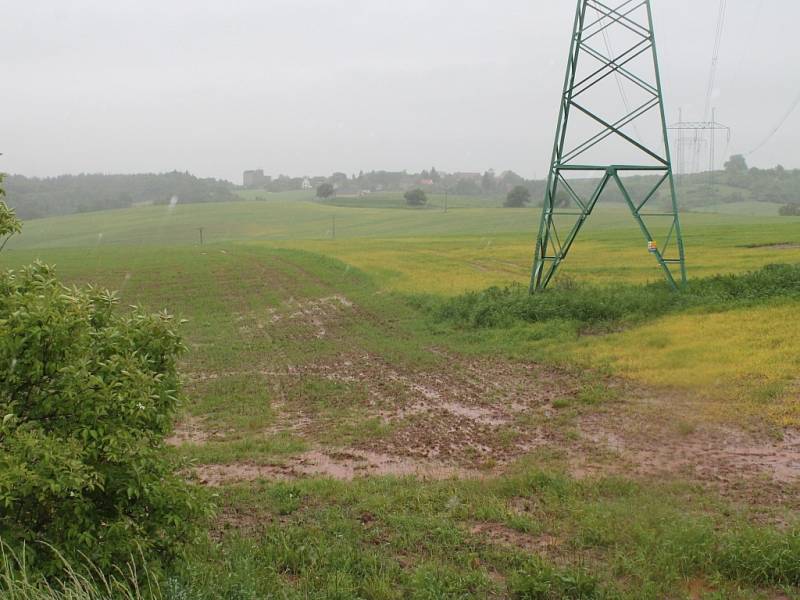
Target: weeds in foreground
column 604, row 308
column 19, row 582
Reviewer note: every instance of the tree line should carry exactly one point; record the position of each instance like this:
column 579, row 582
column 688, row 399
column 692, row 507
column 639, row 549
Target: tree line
column 34, row 197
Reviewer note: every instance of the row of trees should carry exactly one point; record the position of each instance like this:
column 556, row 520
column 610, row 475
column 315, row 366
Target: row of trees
column 433, row 180
column 40, row 197
column 34, row 197
column 778, row 185
column 790, row 210
column 518, row 197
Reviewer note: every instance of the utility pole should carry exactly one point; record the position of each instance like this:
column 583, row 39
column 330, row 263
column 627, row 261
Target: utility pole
column 201, row 236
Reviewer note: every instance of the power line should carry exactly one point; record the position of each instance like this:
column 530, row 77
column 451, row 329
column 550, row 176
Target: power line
column 778, row 127
column 712, row 76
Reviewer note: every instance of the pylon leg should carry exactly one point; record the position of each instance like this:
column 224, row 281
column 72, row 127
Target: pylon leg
column 593, row 21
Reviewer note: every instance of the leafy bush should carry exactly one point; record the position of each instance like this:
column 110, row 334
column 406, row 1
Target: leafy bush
column 9, row 224
column 325, row 190
column 87, row 396
column 518, row 197
column 594, row 306
column 416, row 198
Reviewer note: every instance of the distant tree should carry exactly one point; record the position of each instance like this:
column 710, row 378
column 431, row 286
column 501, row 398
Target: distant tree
column 736, row 164
column 416, row 198
column 34, row 197
column 435, row 175
column 518, row 197
column 511, row 178
column 325, row 190
column 790, row 210
column 488, row 181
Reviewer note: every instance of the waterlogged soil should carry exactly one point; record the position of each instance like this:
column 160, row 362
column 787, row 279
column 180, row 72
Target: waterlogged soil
column 468, row 417
column 653, row 440
column 337, row 464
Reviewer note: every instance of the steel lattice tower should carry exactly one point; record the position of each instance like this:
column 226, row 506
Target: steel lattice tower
column 594, row 71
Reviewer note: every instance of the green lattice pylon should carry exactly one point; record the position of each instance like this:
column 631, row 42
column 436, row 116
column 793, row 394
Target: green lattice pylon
column 618, row 140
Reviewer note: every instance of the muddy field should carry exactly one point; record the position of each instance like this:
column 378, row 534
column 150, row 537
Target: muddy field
column 472, row 417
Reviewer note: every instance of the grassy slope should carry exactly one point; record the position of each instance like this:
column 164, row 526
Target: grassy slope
column 473, row 248
column 466, row 249
column 533, row 529
column 412, row 249
column 387, row 538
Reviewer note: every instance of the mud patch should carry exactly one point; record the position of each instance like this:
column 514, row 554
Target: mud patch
column 192, row 431
column 644, row 444
column 468, row 414
column 497, row 534
column 345, row 465
column 314, row 314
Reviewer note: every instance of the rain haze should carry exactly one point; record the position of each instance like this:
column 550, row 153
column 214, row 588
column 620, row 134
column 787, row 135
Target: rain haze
column 315, row 86
column 298, row 300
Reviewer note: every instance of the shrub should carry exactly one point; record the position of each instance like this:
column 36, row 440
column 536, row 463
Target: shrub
column 416, row 198
column 9, row 224
column 87, row 396
column 325, row 190
column 518, row 197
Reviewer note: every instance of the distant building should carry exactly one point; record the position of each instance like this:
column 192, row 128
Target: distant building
column 468, row 176
column 307, row 184
column 255, row 179
column 426, row 181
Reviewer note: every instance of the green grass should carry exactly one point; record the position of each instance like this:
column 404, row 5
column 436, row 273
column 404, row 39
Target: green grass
column 264, row 323
column 532, row 534
column 436, row 201
column 388, row 538
column 749, row 208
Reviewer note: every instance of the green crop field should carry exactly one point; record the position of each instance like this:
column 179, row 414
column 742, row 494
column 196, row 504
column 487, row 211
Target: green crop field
column 366, row 439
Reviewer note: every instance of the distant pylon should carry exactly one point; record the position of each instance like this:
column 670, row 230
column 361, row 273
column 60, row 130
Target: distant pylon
column 591, row 71
column 700, row 129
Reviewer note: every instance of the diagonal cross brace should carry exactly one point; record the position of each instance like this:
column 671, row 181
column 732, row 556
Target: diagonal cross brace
column 551, row 249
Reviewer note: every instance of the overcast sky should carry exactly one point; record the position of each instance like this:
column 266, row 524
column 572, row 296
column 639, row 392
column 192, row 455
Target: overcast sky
column 316, row 86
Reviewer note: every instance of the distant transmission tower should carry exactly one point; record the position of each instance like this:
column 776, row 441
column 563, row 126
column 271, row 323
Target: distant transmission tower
column 610, row 143
column 696, row 139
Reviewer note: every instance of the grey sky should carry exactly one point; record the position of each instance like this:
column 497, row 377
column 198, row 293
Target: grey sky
column 314, row 86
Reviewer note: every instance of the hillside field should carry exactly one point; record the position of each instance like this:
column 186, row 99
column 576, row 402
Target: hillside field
column 364, row 446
